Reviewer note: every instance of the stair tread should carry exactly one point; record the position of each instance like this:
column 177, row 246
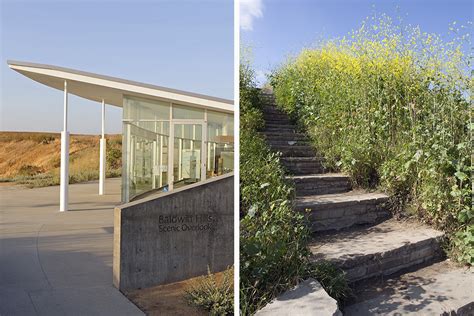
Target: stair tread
column 292, row 146
column 319, row 176
column 437, row 289
column 302, row 158
column 368, row 241
column 346, row 197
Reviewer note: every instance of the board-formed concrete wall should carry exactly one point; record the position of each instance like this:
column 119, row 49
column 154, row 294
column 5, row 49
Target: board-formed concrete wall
column 176, row 235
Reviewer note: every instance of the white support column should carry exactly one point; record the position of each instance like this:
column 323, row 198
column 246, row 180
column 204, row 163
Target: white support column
column 102, row 164
column 64, row 178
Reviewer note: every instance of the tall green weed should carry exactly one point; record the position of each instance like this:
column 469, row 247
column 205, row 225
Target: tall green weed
column 390, row 105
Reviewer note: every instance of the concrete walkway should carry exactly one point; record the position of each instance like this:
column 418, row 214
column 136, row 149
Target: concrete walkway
column 55, row 263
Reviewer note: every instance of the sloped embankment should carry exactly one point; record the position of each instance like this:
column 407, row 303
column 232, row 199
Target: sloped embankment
column 33, row 158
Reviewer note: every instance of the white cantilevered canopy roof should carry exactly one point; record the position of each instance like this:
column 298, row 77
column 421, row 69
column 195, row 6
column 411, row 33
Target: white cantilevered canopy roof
column 99, row 87
column 108, row 90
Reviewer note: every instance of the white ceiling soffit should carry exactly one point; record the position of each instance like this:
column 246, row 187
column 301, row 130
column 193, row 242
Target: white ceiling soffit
column 97, row 87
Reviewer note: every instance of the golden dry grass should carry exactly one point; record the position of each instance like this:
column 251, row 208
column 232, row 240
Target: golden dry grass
column 27, row 157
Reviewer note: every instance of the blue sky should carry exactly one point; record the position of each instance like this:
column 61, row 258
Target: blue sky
column 185, row 45
column 279, row 28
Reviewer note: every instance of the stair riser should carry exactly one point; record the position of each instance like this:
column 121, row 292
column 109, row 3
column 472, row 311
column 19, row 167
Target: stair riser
column 271, row 112
column 277, row 116
column 318, row 186
column 302, row 168
column 273, row 121
column 280, row 129
column 337, row 216
column 284, row 136
column 285, row 126
column 294, row 152
column 280, row 143
column 383, row 264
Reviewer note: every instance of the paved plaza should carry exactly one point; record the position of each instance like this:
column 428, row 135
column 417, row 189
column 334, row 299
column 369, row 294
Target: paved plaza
column 54, row 263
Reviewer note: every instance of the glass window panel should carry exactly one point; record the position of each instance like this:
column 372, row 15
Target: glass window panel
column 145, row 161
column 187, row 154
column 220, row 159
column 138, row 109
column 220, row 144
column 187, row 113
column 220, row 126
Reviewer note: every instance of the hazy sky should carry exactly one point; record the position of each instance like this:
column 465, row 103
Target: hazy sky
column 185, row 45
column 276, row 29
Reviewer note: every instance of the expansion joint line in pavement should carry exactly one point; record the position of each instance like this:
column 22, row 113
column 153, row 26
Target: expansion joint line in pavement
column 39, row 258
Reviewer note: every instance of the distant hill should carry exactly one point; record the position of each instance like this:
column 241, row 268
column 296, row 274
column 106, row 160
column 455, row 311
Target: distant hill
column 33, row 158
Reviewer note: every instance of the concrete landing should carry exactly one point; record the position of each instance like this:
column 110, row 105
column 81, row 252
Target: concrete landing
column 307, row 299
column 54, row 263
column 440, row 289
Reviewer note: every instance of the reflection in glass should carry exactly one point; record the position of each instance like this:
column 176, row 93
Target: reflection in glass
column 187, row 154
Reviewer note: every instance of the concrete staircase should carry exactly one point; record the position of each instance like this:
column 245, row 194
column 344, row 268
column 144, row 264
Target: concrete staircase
column 351, row 228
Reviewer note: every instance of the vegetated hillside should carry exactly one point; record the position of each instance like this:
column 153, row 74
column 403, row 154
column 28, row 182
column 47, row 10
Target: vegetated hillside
column 388, row 105
column 33, row 158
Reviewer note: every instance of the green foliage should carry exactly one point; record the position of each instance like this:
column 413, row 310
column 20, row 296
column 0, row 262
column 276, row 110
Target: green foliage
column 114, row 157
column 212, row 295
column 331, row 278
column 390, row 106
column 251, row 118
column 273, row 237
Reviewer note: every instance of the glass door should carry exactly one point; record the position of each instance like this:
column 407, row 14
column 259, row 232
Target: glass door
column 188, row 160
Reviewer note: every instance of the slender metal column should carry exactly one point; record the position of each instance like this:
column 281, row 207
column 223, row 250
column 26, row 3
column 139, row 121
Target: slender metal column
column 64, row 178
column 102, row 164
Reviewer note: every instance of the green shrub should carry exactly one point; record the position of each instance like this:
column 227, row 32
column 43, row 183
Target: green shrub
column 211, row 295
column 114, row 156
column 331, row 278
column 389, row 105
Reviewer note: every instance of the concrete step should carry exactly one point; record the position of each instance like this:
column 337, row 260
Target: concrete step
column 342, row 210
column 308, row 298
column 280, row 129
column 438, row 289
column 278, row 126
column 269, row 110
column 273, row 121
column 286, row 136
column 318, row 184
column 378, row 250
column 277, row 117
column 295, row 150
column 278, row 142
column 302, row 165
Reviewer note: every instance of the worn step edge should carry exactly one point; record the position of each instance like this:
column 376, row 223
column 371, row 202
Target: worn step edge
column 388, row 256
column 338, row 200
column 332, row 212
column 305, row 299
column 320, row 184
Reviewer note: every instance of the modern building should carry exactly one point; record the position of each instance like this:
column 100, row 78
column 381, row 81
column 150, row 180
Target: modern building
column 171, row 138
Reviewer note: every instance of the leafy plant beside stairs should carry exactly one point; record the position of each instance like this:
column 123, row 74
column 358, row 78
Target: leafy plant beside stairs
column 390, row 106
column 273, row 238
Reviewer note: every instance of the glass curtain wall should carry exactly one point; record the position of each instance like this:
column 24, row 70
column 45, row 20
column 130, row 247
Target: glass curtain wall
column 167, row 146
column 220, row 143
column 145, row 146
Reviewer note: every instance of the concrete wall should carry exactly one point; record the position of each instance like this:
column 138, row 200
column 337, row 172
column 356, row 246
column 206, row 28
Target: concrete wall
column 174, row 236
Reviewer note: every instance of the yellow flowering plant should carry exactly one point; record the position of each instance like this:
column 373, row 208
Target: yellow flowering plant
column 390, row 105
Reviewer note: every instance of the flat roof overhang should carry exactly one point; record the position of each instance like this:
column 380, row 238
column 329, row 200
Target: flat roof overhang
column 97, row 87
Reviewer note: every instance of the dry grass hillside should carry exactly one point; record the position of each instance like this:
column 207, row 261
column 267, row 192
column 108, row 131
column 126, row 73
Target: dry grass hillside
column 33, row 159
